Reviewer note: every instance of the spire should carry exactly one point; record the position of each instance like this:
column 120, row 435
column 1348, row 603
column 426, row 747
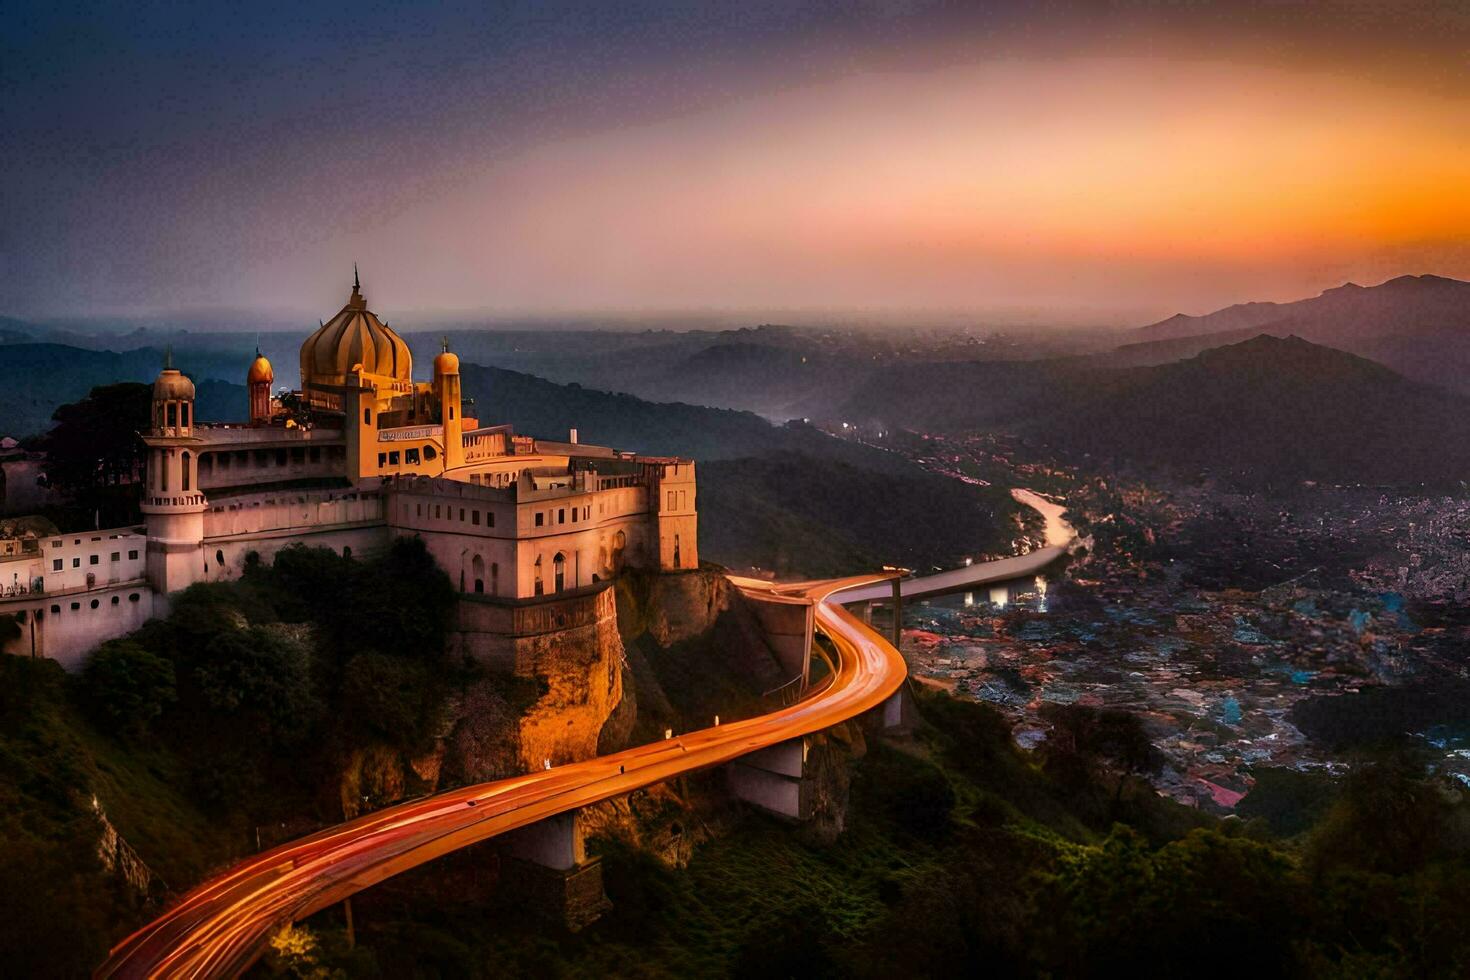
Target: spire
column 357, row 302
column 444, row 343
column 168, row 357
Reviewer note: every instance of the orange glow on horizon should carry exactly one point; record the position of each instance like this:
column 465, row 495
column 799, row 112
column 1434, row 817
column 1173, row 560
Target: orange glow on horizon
column 1087, row 183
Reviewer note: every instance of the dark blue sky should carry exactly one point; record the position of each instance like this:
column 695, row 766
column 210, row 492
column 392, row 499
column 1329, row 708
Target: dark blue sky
column 166, row 156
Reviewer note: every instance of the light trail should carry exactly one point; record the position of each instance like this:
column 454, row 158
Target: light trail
column 221, row 927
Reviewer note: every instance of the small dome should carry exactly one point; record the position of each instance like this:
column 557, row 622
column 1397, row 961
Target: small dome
column 446, row 363
column 172, row 386
column 355, row 336
column 260, row 371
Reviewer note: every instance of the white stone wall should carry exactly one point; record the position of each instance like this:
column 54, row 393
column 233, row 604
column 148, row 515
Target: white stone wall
column 68, row 627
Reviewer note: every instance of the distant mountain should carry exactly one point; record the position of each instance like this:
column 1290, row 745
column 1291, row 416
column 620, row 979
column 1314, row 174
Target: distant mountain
column 1264, row 412
column 1270, row 411
column 789, row 498
column 1417, row 325
column 37, row 378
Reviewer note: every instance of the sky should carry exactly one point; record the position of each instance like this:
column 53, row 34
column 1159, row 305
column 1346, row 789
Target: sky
column 1032, row 162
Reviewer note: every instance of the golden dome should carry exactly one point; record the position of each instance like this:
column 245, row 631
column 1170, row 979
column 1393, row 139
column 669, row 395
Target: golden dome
column 172, row 386
column 354, row 336
column 261, row 371
column 446, row 363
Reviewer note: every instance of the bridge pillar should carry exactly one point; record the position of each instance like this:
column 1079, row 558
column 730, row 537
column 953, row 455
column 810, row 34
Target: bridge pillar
column 788, row 627
column 774, row 779
column 546, row 867
column 897, row 615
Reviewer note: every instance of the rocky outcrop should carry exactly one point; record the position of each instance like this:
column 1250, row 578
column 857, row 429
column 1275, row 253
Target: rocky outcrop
column 552, row 680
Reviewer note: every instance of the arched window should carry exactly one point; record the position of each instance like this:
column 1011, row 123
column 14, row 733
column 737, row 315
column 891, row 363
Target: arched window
column 219, row 558
column 537, row 587
column 429, row 452
column 185, row 478
column 163, row 471
column 559, row 570
column 477, row 571
column 347, row 551
column 676, row 551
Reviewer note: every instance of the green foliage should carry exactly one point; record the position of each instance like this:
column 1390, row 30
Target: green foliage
column 127, row 687
column 794, row 513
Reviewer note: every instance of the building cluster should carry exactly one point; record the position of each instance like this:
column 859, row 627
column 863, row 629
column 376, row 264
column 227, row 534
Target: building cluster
column 360, row 454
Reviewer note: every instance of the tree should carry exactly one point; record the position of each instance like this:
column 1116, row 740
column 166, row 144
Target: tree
column 94, row 450
column 1083, row 738
column 127, row 687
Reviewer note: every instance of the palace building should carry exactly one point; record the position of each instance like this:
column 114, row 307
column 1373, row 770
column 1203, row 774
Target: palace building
column 360, row 454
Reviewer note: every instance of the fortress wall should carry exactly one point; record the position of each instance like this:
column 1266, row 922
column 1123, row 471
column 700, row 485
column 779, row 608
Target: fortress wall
column 67, row 627
column 224, row 558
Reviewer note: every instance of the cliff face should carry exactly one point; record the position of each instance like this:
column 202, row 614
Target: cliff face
column 549, row 688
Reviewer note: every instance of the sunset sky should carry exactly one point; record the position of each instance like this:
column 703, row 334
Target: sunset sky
column 1089, row 163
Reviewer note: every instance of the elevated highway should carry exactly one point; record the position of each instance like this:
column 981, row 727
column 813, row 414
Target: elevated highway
column 221, row 927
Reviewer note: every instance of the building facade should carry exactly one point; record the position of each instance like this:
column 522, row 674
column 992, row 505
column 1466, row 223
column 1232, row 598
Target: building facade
column 360, row 454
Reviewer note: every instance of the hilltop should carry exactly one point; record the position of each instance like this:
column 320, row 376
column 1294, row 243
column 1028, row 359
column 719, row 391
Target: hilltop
column 1264, row 411
column 1418, row 325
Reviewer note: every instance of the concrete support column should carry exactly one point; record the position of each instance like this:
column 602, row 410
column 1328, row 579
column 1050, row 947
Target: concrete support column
column 774, row 779
column 897, row 615
column 546, row 865
column 788, row 626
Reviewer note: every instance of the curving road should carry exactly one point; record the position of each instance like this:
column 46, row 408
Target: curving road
column 222, row 926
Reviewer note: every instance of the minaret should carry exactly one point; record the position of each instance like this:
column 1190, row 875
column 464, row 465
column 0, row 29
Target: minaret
column 173, row 504
column 258, row 381
column 446, row 390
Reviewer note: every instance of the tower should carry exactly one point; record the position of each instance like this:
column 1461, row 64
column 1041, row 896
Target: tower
column 173, row 504
column 258, row 381
column 446, row 392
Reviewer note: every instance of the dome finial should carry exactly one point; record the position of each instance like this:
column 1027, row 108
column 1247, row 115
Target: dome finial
column 356, row 285
column 168, row 357
column 444, row 342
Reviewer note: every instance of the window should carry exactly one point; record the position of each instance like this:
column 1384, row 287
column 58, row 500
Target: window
column 76, row 563
column 536, row 583
column 94, row 603
column 115, row 600
column 540, row 519
column 382, row 460
column 477, row 568
column 461, row 515
column 56, row 564
column 184, row 481
column 56, row 610
column 75, row 606
column 559, row 569
column 561, row 515
column 393, row 458
column 116, row 556
column 367, row 416
column 133, row 555
column 93, row 559
column 219, row 558
column 489, row 518
column 574, row 514
column 436, row 511
column 411, row 456
column 133, row 597
column 346, row 551
column 474, row 517
column 418, row 510
column 429, row 452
